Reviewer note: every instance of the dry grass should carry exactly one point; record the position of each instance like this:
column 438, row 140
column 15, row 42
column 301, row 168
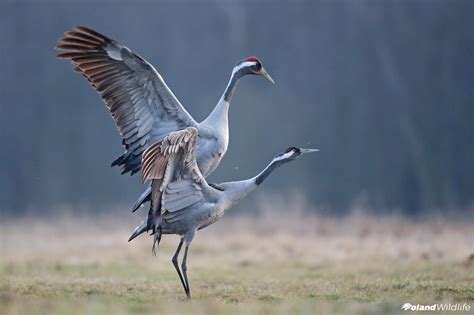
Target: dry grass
column 275, row 264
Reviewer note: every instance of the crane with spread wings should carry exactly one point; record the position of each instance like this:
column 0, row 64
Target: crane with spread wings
column 142, row 105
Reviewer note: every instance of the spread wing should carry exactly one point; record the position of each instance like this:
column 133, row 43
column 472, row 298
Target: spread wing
column 142, row 105
column 177, row 183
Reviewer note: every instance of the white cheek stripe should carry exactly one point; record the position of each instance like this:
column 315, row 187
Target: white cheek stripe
column 244, row 65
column 284, row 156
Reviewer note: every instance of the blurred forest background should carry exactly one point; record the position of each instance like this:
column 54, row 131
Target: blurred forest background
column 383, row 88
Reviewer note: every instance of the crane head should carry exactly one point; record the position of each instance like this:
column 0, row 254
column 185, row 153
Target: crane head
column 292, row 153
column 251, row 65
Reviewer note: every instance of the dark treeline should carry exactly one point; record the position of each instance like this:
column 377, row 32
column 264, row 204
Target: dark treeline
column 383, row 88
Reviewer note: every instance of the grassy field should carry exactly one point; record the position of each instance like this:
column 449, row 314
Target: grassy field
column 274, row 265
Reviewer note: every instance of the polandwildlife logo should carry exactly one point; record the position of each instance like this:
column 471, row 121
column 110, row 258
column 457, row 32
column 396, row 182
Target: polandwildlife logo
column 458, row 307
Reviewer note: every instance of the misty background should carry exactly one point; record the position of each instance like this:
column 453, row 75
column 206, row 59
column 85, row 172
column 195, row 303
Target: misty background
column 383, row 88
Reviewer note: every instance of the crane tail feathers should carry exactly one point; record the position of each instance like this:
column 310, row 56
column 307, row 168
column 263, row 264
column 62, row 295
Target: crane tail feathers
column 148, row 225
column 144, row 197
column 143, row 227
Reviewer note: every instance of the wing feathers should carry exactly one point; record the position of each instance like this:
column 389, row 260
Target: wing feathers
column 79, row 42
column 179, row 185
column 183, row 139
column 92, row 33
column 169, row 163
column 180, row 203
column 141, row 104
column 178, row 195
column 84, row 37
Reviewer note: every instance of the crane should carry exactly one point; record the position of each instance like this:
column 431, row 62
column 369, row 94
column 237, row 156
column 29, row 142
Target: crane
column 182, row 201
column 142, row 105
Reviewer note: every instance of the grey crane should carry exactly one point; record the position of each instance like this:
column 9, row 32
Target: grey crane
column 142, row 105
column 182, row 201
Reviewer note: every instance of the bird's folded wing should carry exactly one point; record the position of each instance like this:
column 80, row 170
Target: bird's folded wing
column 171, row 165
column 142, row 105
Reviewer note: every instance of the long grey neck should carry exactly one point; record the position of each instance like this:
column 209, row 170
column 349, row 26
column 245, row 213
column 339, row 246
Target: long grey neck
column 220, row 113
column 229, row 90
column 267, row 171
column 238, row 190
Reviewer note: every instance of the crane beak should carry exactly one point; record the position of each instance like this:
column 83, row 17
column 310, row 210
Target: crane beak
column 308, row 150
column 265, row 74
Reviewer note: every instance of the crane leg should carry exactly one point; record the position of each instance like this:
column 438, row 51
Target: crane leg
column 175, row 263
column 184, row 268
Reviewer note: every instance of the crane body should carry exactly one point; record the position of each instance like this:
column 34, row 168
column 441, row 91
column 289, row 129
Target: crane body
column 182, row 201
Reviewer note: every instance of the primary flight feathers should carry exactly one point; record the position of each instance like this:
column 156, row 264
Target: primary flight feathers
column 142, row 105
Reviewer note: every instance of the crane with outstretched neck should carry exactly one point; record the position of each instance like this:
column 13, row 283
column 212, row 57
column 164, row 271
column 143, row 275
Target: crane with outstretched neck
column 182, row 201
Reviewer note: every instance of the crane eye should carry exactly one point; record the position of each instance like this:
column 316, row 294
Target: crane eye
column 258, row 66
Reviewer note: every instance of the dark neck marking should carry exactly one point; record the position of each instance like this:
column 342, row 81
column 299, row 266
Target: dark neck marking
column 229, row 91
column 268, row 170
